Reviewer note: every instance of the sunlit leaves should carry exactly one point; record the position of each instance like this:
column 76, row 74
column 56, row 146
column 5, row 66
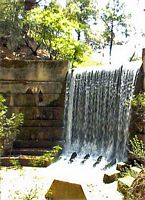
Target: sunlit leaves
column 51, row 28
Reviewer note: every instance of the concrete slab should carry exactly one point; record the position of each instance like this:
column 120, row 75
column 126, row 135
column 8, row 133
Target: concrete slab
column 61, row 190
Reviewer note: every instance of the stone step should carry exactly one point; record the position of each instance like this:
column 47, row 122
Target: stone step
column 24, row 160
column 29, row 151
column 37, row 144
column 41, row 133
column 124, row 184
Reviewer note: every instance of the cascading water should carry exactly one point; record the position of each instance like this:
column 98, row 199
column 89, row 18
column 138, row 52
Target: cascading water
column 96, row 125
column 96, row 111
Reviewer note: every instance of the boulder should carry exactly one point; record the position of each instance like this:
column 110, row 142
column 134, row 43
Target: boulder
column 111, row 176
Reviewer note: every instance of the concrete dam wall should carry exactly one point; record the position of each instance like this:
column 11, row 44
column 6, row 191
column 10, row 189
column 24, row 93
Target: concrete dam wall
column 37, row 89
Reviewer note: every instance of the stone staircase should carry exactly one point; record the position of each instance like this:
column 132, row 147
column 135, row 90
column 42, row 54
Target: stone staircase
column 26, row 156
column 29, row 151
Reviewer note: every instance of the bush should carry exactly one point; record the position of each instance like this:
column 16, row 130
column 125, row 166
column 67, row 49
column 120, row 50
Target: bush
column 137, row 146
column 137, row 190
column 8, row 127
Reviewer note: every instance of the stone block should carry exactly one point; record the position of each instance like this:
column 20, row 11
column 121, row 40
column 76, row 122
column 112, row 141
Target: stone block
column 111, row 176
column 21, row 87
column 33, row 70
column 37, row 144
column 43, row 123
column 124, row 184
column 60, row 190
column 31, row 99
column 135, row 171
column 41, row 133
column 39, row 112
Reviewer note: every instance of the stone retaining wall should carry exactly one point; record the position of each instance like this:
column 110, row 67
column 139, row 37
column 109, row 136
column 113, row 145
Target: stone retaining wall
column 37, row 89
column 137, row 125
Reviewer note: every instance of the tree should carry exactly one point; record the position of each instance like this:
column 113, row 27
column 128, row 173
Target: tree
column 85, row 13
column 115, row 20
column 51, row 28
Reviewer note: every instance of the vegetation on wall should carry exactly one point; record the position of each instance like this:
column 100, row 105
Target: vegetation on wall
column 47, row 158
column 138, row 107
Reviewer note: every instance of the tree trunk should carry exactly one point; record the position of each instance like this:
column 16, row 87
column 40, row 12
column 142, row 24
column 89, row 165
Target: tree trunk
column 111, row 39
column 79, row 35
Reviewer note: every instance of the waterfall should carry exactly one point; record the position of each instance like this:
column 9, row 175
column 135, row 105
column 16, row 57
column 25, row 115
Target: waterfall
column 96, row 111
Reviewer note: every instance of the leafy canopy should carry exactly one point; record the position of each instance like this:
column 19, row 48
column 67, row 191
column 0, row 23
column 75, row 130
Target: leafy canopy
column 54, row 31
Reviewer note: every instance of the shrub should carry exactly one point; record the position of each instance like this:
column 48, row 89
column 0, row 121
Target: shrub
column 47, row 158
column 8, row 127
column 137, row 146
column 137, row 190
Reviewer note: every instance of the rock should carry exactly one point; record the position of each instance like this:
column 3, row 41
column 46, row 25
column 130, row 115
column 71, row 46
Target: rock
column 98, row 161
column 73, row 156
column 113, row 162
column 121, row 166
column 112, row 176
column 87, row 156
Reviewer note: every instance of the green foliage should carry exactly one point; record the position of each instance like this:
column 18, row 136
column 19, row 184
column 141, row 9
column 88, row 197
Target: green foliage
column 51, row 28
column 11, row 22
column 115, row 20
column 82, row 11
column 137, row 146
column 15, row 164
column 126, row 171
column 88, row 62
column 136, row 190
column 138, row 101
column 8, row 126
column 138, row 114
column 46, row 159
